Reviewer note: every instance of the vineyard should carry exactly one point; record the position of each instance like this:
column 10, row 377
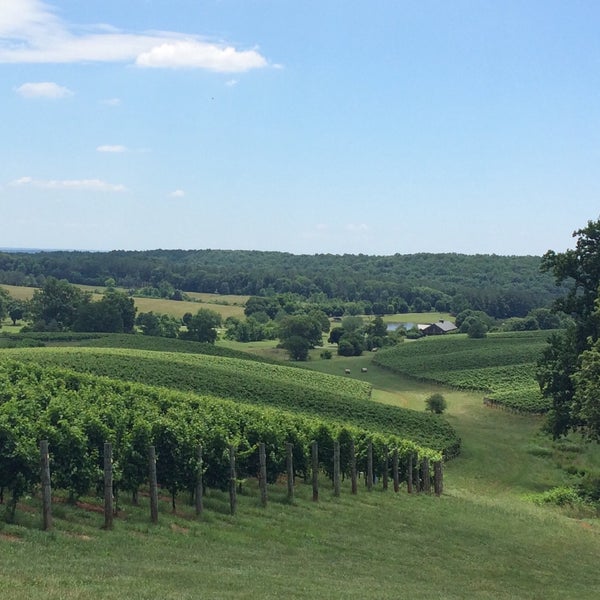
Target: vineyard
column 342, row 400
column 77, row 413
column 502, row 365
column 119, row 340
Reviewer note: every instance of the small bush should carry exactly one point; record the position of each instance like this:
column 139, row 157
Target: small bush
column 560, row 496
column 326, row 354
column 436, row 403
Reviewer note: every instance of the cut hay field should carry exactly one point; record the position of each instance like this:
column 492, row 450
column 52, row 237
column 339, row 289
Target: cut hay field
column 226, row 306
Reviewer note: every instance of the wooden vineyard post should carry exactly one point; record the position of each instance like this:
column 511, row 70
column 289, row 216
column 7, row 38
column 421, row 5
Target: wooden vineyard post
column 370, row 466
column 336, row 468
column 409, row 475
column 153, row 485
column 426, row 479
column 353, row 475
column 416, row 474
column 386, row 467
column 315, row 471
column 232, row 481
column 438, row 483
column 290, row 472
column 262, row 479
column 108, row 486
column 395, row 471
column 199, row 484
column 46, row 486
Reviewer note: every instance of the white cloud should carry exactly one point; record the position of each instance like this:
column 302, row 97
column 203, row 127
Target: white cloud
column 177, row 194
column 30, row 32
column 93, row 185
column 231, row 82
column 115, row 149
column 357, row 228
column 194, row 54
column 43, row 89
column 112, row 102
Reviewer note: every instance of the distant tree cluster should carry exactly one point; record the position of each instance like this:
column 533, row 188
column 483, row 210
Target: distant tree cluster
column 61, row 306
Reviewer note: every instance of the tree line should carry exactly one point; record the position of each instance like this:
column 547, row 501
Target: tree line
column 501, row 286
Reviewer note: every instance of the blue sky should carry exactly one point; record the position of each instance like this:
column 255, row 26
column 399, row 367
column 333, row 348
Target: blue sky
column 315, row 126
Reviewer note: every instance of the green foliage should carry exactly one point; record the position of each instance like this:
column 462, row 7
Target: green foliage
column 474, row 327
column 16, row 310
column 160, row 325
column 351, row 344
column 560, row 496
column 299, row 333
column 502, row 286
column 113, row 313
column 5, row 302
column 436, row 403
column 297, row 347
column 502, row 364
column 78, row 412
column 202, row 327
column 559, row 366
column 342, row 399
column 252, row 329
column 55, row 305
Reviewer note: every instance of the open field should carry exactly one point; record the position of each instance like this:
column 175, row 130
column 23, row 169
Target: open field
column 226, row 306
column 179, row 308
column 425, row 317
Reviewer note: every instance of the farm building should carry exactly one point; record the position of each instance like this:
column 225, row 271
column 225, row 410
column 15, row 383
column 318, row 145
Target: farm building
column 438, row 328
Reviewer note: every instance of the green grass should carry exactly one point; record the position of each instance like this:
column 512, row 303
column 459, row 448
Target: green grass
column 377, row 545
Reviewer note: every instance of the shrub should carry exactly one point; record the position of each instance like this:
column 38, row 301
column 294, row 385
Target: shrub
column 436, row 403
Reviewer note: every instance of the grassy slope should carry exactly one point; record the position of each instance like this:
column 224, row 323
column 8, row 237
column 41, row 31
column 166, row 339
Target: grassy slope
column 482, row 539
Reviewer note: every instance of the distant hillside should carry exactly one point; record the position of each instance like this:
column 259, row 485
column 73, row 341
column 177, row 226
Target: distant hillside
column 501, row 285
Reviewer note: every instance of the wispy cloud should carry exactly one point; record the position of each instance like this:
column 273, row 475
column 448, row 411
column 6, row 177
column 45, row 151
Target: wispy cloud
column 93, row 185
column 112, row 102
column 115, row 149
column 43, row 89
column 31, row 32
column 357, row 228
column 177, row 194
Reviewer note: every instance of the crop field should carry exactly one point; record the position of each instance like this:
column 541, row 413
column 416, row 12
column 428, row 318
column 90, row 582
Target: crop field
column 343, row 400
column 502, row 365
column 77, row 413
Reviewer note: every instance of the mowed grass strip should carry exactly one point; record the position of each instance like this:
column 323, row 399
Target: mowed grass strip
column 374, row 545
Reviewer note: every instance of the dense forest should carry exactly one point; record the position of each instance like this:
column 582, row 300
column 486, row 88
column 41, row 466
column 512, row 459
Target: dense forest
column 502, row 286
